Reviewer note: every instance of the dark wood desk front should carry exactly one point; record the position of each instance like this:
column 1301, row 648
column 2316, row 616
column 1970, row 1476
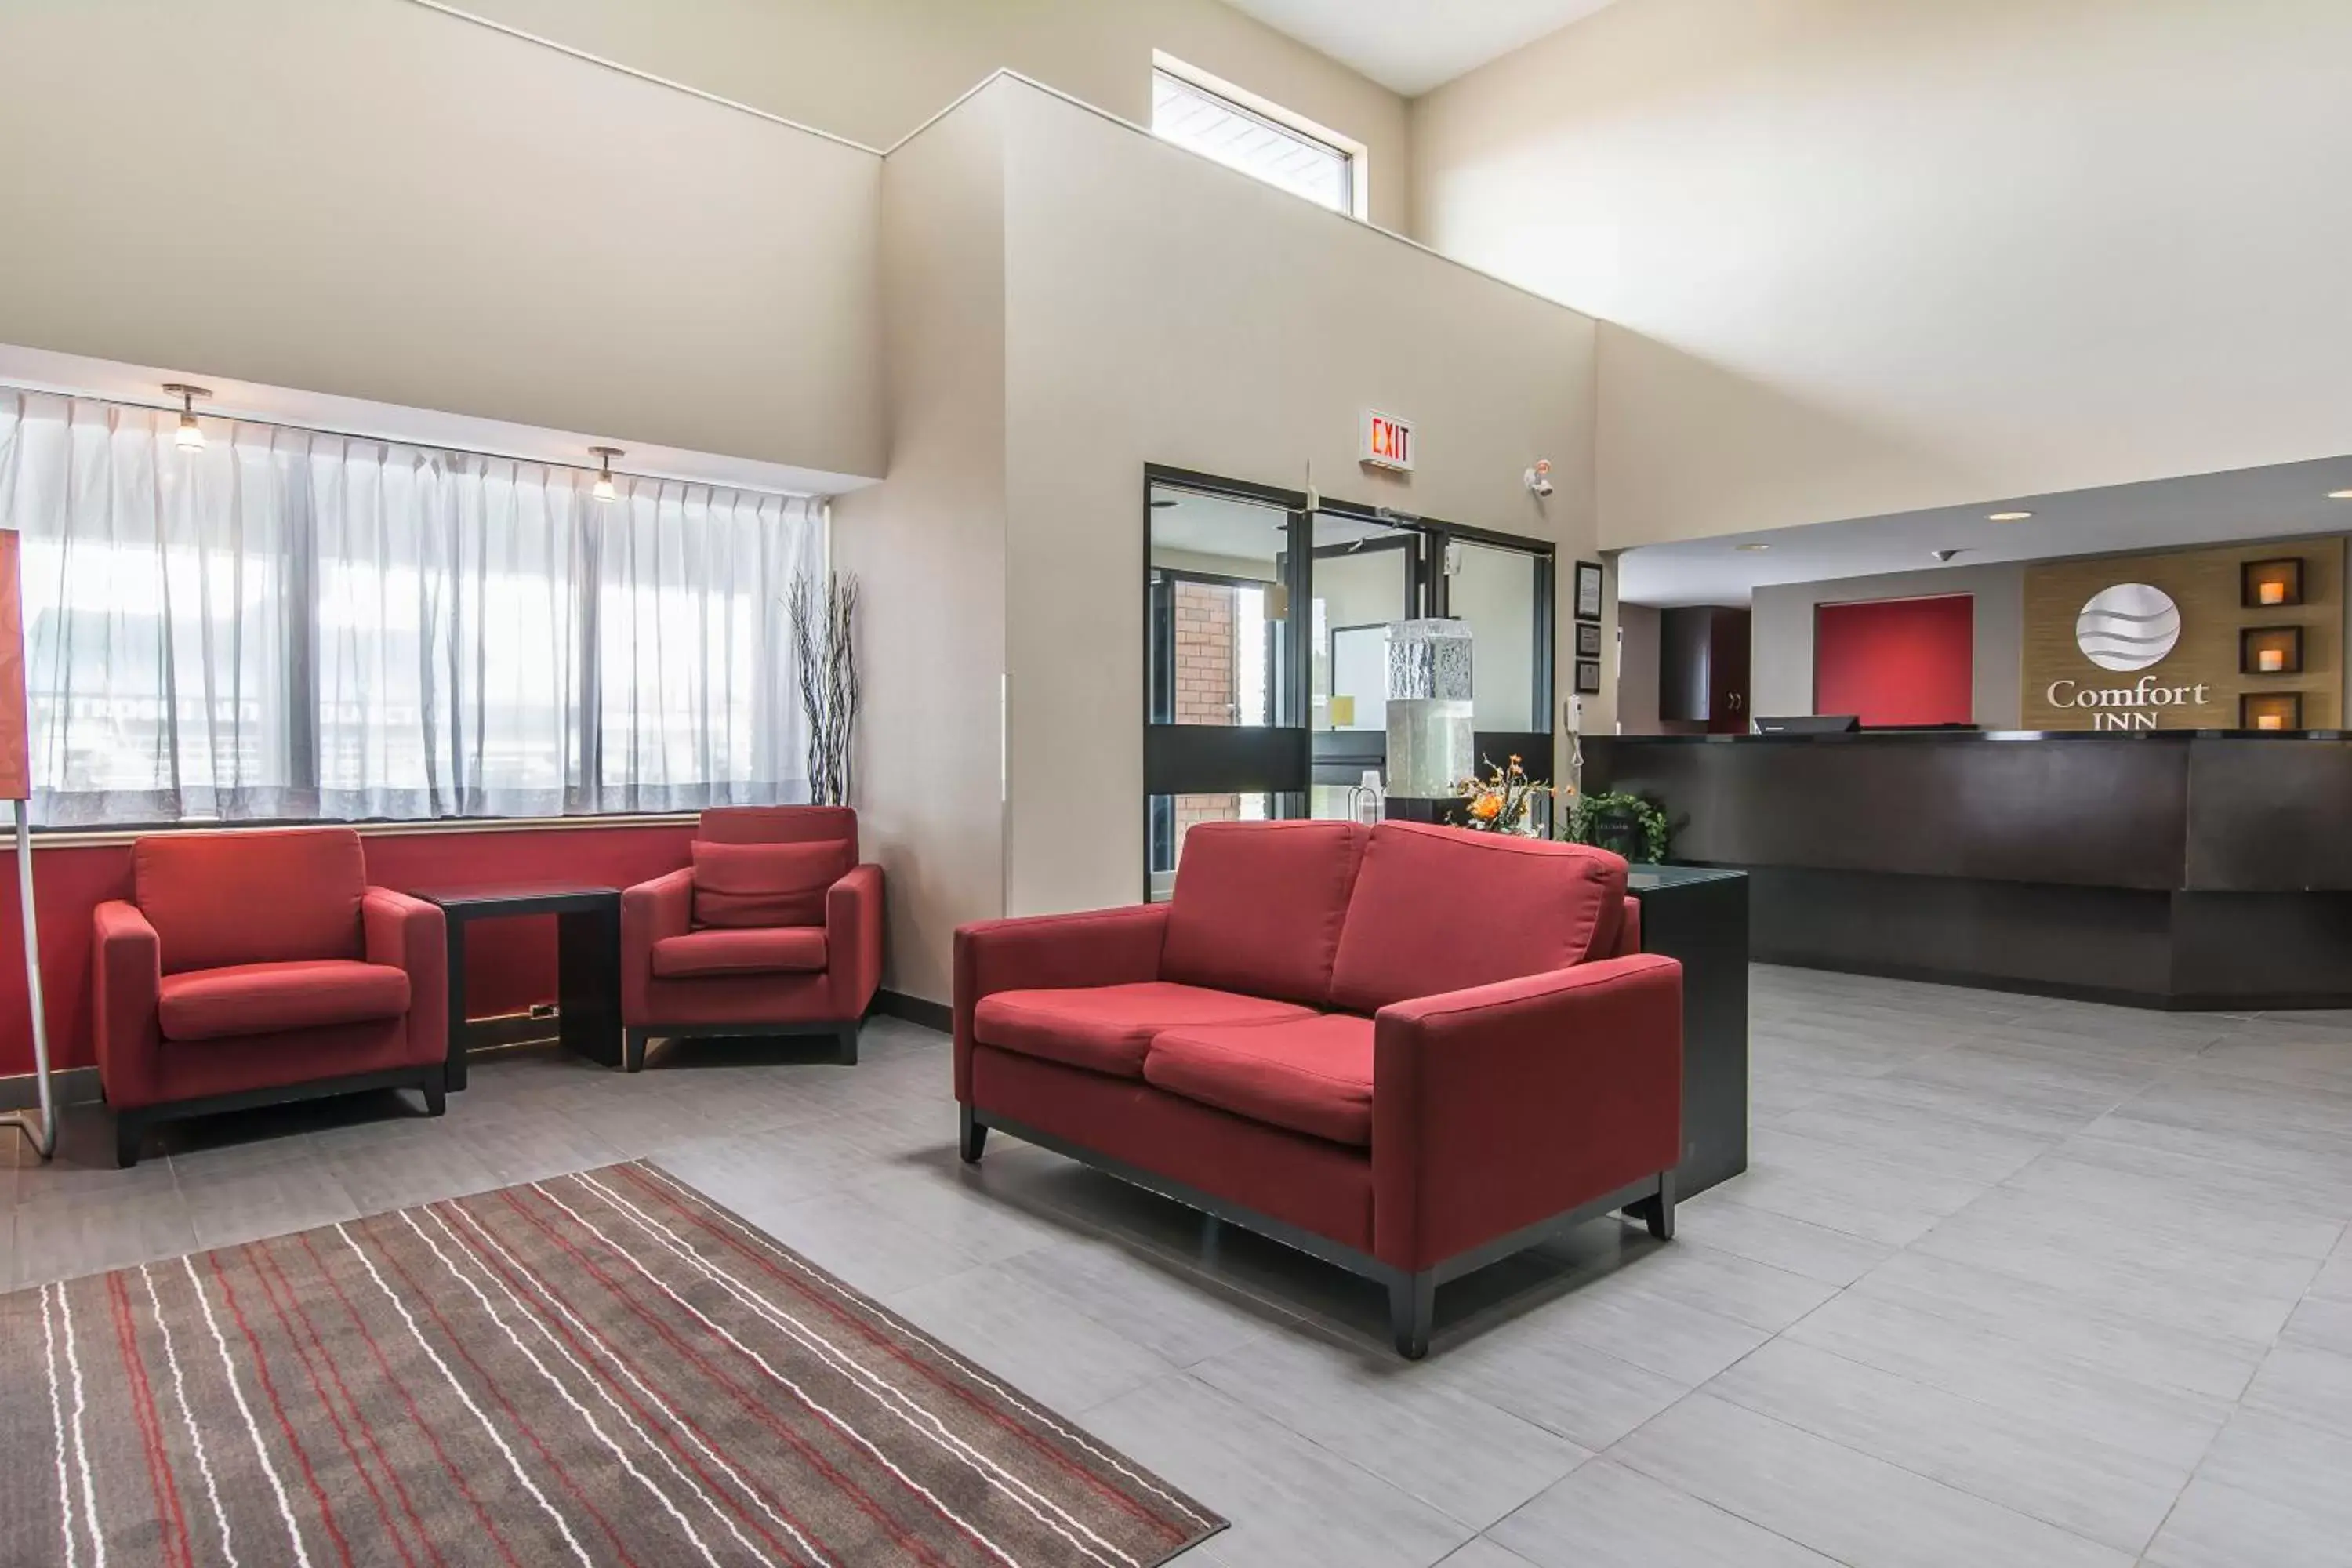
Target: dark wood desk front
column 2172, row 869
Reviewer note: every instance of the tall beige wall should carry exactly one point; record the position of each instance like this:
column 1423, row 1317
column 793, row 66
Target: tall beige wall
column 927, row 547
column 1870, row 255
column 375, row 199
column 1162, row 310
column 872, row 70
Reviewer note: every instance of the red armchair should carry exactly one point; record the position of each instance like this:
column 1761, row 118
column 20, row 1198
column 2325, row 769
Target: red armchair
column 248, row 968
column 745, row 954
column 1411, row 1051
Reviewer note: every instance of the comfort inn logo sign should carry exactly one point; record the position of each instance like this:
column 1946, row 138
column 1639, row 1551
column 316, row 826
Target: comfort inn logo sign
column 2127, row 628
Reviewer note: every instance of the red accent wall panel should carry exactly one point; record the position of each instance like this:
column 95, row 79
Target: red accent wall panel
column 1896, row 661
column 510, row 965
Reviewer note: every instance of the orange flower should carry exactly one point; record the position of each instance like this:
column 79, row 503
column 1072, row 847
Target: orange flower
column 1487, row 807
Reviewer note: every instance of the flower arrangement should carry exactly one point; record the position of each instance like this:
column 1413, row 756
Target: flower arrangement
column 1499, row 802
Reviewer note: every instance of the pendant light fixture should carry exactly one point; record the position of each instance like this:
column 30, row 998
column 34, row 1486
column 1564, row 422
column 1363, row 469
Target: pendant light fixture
column 604, row 456
column 189, row 438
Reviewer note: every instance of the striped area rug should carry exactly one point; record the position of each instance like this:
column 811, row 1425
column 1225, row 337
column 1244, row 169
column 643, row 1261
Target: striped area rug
column 602, row 1368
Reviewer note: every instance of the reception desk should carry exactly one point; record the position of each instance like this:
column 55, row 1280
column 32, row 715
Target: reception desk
column 2184, row 869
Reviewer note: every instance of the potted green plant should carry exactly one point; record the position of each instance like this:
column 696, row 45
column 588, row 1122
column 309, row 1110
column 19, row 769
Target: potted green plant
column 1627, row 825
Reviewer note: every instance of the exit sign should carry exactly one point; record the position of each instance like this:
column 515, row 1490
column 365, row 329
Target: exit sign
column 1388, row 441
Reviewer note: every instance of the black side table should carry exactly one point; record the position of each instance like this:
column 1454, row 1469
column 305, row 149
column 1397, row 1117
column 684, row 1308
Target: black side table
column 587, row 962
column 1699, row 915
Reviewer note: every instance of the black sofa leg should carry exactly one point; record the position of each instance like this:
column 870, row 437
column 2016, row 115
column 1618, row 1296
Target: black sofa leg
column 848, row 1037
column 974, row 1135
column 1413, row 1304
column 436, row 1092
column 130, row 1131
column 633, row 1049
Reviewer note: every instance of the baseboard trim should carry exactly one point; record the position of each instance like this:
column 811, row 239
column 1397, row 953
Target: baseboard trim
column 2021, row 985
column 915, row 1010
column 71, row 1085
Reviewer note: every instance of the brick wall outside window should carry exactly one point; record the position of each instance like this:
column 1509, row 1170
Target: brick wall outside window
column 1206, row 690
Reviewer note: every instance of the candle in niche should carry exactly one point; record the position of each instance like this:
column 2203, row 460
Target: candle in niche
column 2270, row 661
column 2272, row 591
column 2270, row 722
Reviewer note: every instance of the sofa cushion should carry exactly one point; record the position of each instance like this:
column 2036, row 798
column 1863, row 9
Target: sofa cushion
column 1106, row 1028
column 766, row 950
column 271, row 998
column 1439, row 908
column 1314, row 1076
column 221, row 899
column 1259, row 906
column 741, row 885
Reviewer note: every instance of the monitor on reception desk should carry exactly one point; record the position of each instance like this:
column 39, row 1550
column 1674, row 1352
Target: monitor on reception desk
column 1808, row 724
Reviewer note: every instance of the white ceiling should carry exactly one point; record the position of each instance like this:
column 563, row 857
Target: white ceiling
column 2277, row 502
column 1413, row 46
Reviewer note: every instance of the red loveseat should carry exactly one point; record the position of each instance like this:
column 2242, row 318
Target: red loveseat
column 253, row 967
column 1408, row 1050
column 746, row 953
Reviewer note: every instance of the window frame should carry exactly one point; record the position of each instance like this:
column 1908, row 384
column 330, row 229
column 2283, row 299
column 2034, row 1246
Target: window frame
column 1278, row 118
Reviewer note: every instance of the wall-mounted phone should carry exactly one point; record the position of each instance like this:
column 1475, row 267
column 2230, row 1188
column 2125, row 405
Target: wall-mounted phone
column 1572, row 719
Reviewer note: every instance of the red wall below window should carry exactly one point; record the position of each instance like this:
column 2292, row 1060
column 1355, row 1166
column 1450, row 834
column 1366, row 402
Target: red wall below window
column 1896, row 661
column 510, row 964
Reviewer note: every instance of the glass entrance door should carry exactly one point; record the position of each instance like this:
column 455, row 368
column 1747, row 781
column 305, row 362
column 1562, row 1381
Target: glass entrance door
column 1367, row 574
column 1225, row 738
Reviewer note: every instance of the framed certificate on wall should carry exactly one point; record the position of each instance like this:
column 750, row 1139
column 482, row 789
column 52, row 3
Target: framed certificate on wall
column 1587, row 590
column 1588, row 639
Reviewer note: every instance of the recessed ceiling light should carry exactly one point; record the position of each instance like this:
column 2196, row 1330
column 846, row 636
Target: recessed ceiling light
column 2339, row 495
column 2007, row 516
column 1751, row 547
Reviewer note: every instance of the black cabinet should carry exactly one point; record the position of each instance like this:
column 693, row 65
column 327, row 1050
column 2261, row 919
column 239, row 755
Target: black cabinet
column 1699, row 915
column 1703, row 666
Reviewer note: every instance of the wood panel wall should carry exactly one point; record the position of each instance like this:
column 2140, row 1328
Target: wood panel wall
column 2205, row 586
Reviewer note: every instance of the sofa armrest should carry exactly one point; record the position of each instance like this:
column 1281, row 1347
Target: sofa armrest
column 127, row 980
column 1629, row 930
column 650, row 911
column 1499, row 1106
column 853, row 940
column 411, row 934
column 1096, row 947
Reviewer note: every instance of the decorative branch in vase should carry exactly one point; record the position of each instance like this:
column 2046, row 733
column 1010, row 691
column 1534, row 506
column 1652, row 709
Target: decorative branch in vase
column 823, row 613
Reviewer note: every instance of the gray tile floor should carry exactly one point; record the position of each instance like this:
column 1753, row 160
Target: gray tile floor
column 2010, row 1282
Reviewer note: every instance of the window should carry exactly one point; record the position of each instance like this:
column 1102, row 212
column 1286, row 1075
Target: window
column 294, row 625
column 1220, row 121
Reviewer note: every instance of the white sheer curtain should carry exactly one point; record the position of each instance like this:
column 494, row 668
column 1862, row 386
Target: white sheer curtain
column 291, row 623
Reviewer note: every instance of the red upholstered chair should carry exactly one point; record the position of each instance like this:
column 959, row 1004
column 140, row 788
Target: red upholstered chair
column 254, row 967
column 775, row 930
column 1408, row 1050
